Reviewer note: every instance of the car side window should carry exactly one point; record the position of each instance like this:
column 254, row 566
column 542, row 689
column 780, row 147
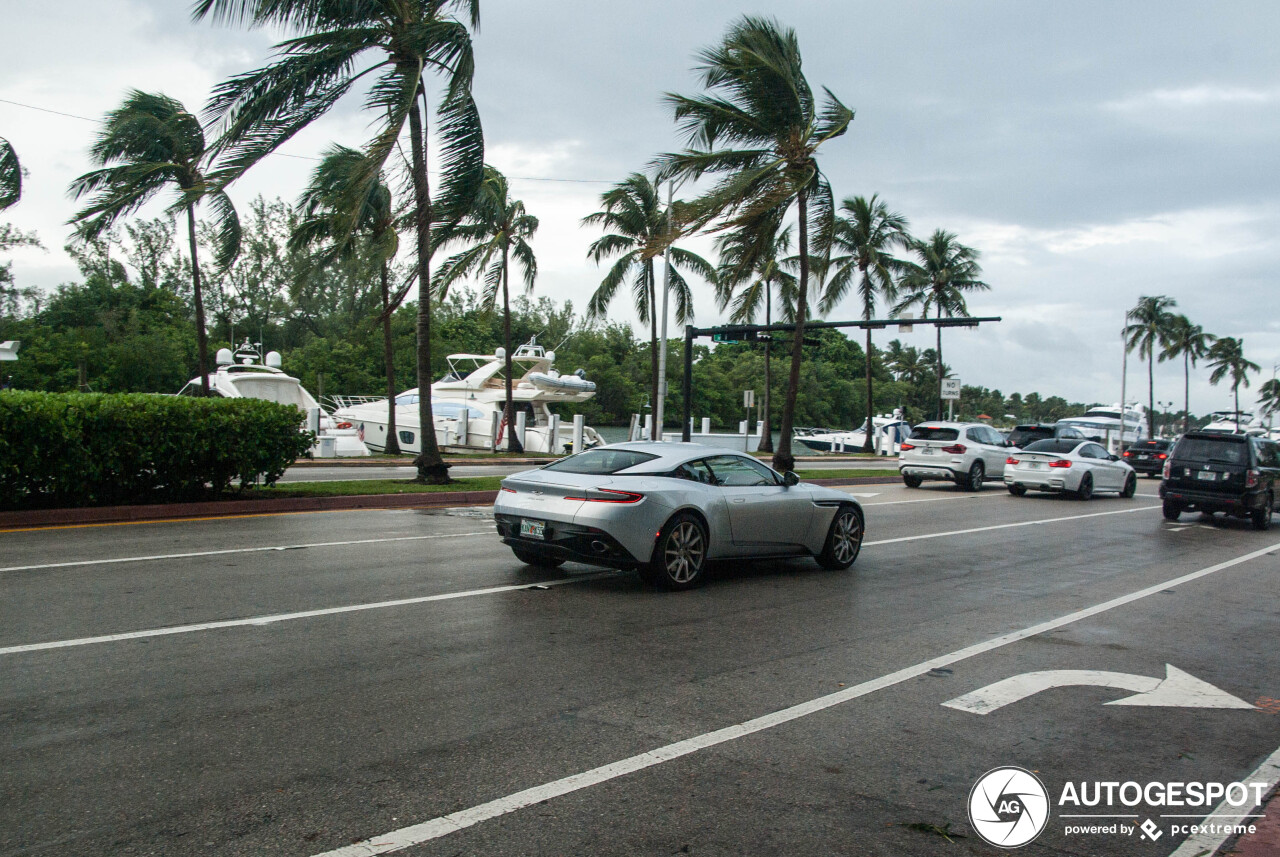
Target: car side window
column 1092, row 450
column 696, row 471
column 978, row 434
column 733, row 471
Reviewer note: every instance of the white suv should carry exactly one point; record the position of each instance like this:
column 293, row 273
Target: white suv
column 964, row 453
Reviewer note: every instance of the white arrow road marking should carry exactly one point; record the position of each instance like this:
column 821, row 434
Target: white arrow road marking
column 1177, row 689
column 864, row 493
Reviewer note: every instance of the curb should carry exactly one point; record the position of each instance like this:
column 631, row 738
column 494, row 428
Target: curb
column 284, row 505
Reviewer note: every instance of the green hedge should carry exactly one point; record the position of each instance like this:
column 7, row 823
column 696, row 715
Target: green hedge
column 91, row 449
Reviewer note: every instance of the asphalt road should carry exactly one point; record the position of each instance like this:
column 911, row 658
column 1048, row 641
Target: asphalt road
column 202, row 687
column 341, row 472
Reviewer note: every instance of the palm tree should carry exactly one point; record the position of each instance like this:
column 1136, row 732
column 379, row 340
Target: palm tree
column 1269, row 398
column 760, row 128
column 1226, row 356
column 764, row 277
column 10, row 175
column 149, row 143
column 1150, row 322
column 498, row 229
column 946, row 271
column 637, row 232
column 1182, row 338
column 865, row 237
column 375, row 233
column 395, row 41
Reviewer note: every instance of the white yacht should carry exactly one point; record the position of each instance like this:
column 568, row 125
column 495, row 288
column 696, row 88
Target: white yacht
column 1238, row 422
column 244, row 374
column 465, row 401
column 1102, row 423
column 888, row 430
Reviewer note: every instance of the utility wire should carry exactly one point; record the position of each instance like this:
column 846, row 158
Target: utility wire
column 299, row 157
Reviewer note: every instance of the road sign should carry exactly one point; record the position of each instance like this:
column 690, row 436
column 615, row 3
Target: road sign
column 748, row 398
column 906, row 326
column 950, row 388
column 1177, row 690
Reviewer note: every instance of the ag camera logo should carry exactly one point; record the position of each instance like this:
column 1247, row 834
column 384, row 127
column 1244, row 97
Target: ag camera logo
column 1008, row 807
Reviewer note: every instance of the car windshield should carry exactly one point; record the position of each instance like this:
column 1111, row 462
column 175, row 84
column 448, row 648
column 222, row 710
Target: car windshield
column 934, row 433
column 1057, row 445
column 1221, row 450
column 600, row 461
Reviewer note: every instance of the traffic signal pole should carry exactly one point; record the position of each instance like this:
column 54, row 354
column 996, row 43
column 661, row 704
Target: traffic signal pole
column 751, row 332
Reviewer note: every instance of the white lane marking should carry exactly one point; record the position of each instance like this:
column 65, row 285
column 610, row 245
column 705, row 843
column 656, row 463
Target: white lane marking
column 1202, row 843
column 928, row 500
column 416, row 834
column 1010, row 525
column 864, row 493
column 264, row 620
column 154, row 557
column 286, row 617
column 1178, row 689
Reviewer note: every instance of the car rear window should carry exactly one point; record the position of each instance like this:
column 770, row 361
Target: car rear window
column 598, row 462
column 1053, row 444
column 1021, row 436
column 1206, row 449
column 1150, row 444
column 934, row 433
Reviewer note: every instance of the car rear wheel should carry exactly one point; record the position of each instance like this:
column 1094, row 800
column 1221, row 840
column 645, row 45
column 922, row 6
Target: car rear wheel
column 1171, row 510
column 973, row 479
column 1017, row 490
column 1261, row 518
column 912, row 481
column 680, row 556
column 1085, row 491
column 1130, row 486
column 844, row 540
column 535, row 559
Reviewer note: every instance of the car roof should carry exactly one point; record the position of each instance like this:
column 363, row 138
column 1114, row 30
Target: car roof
column 930, row 424
column 671, row 454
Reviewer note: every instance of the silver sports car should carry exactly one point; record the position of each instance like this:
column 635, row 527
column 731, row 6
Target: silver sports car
column 666, row 509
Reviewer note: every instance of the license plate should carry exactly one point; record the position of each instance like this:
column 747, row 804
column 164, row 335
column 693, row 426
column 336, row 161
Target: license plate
column 1034, row 466
column 532, row 529
column 1206, row 476
column 926, row 451
column 1142, row 455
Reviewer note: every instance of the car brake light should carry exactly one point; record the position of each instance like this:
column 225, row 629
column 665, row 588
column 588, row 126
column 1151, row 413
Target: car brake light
column 1127, row 453
column 903, row 447
column 1011, row 461
column 509, row 490
column 955, row 449
column 1061, row 462
column 1168, row 467
column 1251, row 479
column 1162, row 456
column 620, row 497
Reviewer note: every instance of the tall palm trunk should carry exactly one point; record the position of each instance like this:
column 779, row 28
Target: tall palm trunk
column 392, row 444
column 1151, row 395
column 202, row 339
column 871, row 411
column 1186, row 392
column 766, row 437
column 509, row 411
column 783, row 460
column 938, row 328
column 431, row 468
column 653, row 348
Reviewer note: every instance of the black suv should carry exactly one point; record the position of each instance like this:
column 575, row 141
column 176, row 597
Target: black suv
column 1231, row 473
column 1023, row 435
column 1148, row 456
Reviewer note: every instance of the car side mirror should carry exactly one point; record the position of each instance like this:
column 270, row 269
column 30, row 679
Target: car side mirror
column 1113, row 457
column 789, row 478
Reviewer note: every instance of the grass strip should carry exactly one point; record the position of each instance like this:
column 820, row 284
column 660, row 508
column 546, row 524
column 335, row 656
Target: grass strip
column 371, row 486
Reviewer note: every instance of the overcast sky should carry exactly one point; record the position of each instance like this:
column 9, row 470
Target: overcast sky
column 1093, row 152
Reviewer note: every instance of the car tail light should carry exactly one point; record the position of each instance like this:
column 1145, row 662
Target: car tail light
column 1168, row 468
column 1127, row 453
column 1061, row 462
column 509, row 490
column 955, row 449
column 1011, row 461
column 1251, row 478
column 1162, row 456
column 903, row 447
column 615, row 496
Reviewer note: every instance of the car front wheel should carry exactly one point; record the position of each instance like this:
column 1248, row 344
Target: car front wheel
column 1130, row 486
column 844, row 540
column 973, row 479
column 680, row 556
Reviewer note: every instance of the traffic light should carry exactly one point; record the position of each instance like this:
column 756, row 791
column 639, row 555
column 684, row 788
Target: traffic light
column 736, row 333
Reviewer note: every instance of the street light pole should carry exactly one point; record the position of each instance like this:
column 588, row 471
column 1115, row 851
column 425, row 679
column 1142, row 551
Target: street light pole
column 1124, row 377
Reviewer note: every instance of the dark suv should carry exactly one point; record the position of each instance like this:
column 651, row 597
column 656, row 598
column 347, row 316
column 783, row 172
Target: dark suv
column 1231, row 473
column 1023, row 435
column 1148, row 456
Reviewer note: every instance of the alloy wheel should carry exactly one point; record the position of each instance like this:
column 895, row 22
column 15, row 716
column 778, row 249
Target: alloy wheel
column 847, row 536
column 684, row 552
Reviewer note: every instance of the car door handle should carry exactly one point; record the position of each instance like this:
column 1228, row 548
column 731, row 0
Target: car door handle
column 738, row 500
